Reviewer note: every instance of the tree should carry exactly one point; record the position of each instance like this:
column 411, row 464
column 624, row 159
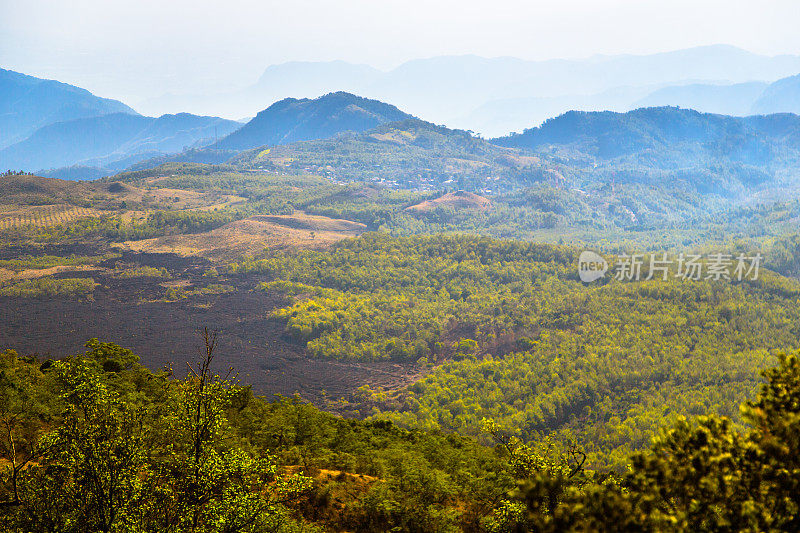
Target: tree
column 93, row 463
column 700, row 476
column 204, row 481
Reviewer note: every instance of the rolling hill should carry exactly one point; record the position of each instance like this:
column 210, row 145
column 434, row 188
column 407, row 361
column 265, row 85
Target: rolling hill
column 781, row 96
column 667, row 138
column 28, row 103
column 458, row 200
column 111, row 142
column 658, row 159
column 291, row 120
column 411, row 153
column 29, row 189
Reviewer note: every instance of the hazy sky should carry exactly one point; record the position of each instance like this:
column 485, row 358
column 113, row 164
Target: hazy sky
column 134, row 49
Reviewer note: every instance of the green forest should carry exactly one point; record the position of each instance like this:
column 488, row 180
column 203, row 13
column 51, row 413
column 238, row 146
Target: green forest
column 508, row 332
column 96, row 442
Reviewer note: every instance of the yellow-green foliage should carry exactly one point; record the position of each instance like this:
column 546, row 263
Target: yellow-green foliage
column 143, row 272
column 526, row 343
column 50, row 287
column 112, row 447
column 100, row 441
column 48, row 261
column 179, row 293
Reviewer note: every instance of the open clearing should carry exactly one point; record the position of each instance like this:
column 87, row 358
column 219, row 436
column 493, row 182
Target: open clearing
column 132, row 313
column 251, row 235
column 7, row 275
column 454, row 200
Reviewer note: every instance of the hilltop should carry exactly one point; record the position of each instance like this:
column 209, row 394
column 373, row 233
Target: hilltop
column 667, row 147
column 609, row 135
column 292, row 120
column 781, row 96
column 30, row 189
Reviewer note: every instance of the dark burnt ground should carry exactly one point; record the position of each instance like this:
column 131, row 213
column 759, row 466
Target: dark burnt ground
column 13, row 251
column 167, row 333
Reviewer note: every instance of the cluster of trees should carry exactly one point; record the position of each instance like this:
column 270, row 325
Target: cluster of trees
column 49, row 287
column 699, row 475
column 403, row 298
column 16, row 173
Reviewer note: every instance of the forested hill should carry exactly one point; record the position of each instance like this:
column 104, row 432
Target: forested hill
column 783, row 95
column 409, row 153
column 664, row 133
column 292, row 120
column 700, row 153
column 96, row 442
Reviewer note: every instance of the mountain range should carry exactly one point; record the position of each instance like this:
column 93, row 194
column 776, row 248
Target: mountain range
column 410, row 153
column 111, row 142
column 736, row 159
column 452, row 90
column 780, row 97
column 681, row 153
column 28, row 103
column 108, row 136
column 67, row 132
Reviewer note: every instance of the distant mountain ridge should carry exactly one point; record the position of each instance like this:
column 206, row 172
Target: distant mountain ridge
column 448, row 89
column 781, row 96
column 324, row 75
column 668, row 146
column 608, row 135
column 28, row 103
column 292, row 120
column 736, row 99
column 111, row 142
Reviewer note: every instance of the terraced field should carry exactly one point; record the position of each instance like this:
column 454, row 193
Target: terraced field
column 12, row 216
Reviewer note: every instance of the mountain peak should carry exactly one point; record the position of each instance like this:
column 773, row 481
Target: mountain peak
column 292, row 120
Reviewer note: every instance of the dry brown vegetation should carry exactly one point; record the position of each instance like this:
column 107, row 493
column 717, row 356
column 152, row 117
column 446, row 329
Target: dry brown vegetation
column 455, row 200
column 252, row 235
column 151, row 194
column 7, row 275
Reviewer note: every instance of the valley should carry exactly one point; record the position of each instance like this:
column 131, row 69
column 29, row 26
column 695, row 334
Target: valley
column 337, row 316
